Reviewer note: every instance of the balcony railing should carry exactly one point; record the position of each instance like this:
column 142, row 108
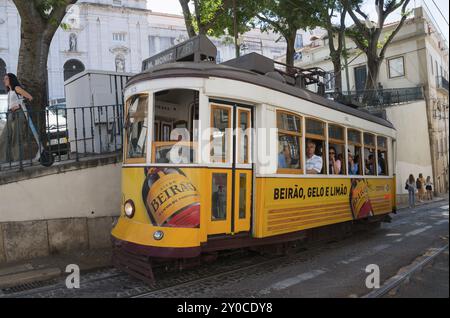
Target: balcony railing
column 380, row 98
column 442, row 83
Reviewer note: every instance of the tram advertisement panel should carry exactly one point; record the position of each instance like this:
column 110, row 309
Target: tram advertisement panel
column 171, row 198
column 294, row 204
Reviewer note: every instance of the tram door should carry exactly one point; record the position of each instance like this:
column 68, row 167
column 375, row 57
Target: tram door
column 231, row 178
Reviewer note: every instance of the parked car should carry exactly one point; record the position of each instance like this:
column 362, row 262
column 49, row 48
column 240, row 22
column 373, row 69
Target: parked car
column 57, row 129
column 3, row 109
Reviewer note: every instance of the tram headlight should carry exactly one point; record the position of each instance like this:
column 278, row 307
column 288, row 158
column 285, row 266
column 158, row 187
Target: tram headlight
column 128, row 207
column 158, row 235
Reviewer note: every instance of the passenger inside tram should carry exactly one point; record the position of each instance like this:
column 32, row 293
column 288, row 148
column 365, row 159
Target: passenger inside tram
column 335, row 165
column 175, row 113
column 314, row 163
column 353, row 164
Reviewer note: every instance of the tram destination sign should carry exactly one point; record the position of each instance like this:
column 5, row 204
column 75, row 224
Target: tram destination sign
column 196, row 49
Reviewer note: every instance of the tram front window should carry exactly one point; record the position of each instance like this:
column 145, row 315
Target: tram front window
column 136, row 127
column 175, row 130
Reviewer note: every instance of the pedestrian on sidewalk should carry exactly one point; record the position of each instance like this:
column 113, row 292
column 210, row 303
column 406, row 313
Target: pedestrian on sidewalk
column 15, row 128
column 411, row 187
column 429, row 188
column 420, row 184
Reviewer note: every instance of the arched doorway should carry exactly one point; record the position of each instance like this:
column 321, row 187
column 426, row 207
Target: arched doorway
column 2, row 74
column 71, row 68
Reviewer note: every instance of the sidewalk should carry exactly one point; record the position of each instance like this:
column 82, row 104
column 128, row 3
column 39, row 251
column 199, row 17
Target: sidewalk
column 50, row 267
column 435, row 199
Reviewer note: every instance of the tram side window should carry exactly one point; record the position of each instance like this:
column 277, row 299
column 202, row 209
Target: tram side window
column 369, row 155
column 315, row 147
column 289, row 142
column 382, row 158
column 354, row 152
column 336, row 150
column 136, row 127
column 175, row 126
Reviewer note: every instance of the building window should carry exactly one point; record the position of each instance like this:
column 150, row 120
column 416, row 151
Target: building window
column 431, row 63
column 298, row 41
column 120, row 37
column 329, row 81
column 396, row 67
column 117, row 2
column 71, row 68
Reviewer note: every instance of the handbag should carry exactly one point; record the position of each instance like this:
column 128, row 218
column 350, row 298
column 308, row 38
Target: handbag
column 406, row 186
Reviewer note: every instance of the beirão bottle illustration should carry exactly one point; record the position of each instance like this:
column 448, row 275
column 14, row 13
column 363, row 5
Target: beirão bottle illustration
column 171, row 199
column 359, row 199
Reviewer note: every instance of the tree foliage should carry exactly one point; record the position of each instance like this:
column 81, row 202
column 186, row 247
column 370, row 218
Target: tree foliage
column 366, row 34
column 286, row 17
column 215, row 17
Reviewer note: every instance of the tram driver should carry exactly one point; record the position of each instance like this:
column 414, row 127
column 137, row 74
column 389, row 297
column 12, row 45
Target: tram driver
column 313, row 162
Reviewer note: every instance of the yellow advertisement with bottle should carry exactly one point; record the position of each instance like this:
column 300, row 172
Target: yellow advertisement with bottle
column 293, row 204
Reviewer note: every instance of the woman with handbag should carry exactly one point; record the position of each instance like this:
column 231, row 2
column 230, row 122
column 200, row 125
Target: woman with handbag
column 13, row 133
column 411, row 187
column 429, row 188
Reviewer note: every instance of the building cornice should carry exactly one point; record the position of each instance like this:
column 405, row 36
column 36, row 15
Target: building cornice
column 114, row 8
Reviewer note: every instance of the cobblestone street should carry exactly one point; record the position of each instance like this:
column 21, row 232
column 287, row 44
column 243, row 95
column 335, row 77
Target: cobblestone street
column 336, row 269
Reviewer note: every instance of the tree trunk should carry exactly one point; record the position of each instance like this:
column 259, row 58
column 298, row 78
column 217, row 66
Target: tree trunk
column 373, row 70
column 187, row 18
column 336, row 59
column 32, row 71
column 290, row 49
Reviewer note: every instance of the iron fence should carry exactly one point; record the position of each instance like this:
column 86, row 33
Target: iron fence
column 69, row 135
column 380, row 98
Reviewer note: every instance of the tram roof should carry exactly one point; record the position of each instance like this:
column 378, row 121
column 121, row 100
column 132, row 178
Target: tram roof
column 206, row 70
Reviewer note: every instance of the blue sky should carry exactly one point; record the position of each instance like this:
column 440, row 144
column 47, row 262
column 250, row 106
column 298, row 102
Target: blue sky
column 173, row 6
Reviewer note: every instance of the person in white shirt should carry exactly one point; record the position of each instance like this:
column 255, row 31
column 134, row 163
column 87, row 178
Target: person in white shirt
column 313, row 162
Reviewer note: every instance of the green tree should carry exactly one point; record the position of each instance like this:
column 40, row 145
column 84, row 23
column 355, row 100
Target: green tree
column 39, row 21
column 286, row 17
column 217, row 17
column 328, row 11
column 366, row 34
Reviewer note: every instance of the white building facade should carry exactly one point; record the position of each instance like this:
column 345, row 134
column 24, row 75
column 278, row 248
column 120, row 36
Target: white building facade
column 415, row 71
column 114, row 35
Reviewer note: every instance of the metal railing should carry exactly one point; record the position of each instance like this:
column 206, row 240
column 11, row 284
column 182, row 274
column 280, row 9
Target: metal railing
column 442, row 83
column 380, row 98
column 70, row 134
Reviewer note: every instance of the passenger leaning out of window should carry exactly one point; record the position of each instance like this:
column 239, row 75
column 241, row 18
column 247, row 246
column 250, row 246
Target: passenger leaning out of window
column 335, row 163
column 313, row 162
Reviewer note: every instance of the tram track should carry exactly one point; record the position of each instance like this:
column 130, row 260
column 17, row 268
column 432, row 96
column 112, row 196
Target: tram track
column 396, row 281
column 112, row 283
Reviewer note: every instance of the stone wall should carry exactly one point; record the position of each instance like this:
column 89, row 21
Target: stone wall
column 60, row 209
column 29, row 239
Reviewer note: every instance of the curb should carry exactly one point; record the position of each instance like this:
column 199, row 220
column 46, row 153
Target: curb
column 422, row 204
column 32, row 276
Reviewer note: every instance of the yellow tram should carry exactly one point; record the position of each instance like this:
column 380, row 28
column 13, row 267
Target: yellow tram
column 240, row 155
